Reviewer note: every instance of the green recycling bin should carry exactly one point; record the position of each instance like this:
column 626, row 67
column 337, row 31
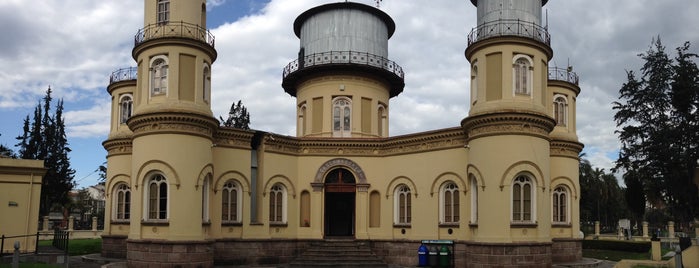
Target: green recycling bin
column 444, row 256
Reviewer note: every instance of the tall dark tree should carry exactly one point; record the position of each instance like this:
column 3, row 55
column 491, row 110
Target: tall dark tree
column 657, row 117
column 238, row 117
column 635, row 196
column 44, row 138
column 6, row 152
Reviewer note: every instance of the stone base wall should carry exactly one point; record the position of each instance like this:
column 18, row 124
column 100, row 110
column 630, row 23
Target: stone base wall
column 257, row 252
column 404, row 253
column 162, row 253
column 508, row 254
column 566, row 250
column 114, row 246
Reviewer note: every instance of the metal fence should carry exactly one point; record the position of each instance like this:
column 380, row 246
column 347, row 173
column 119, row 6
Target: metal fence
column 565, row 75
column 509, row 27
column 174, row 29
column 4, row 237
column 344, row 57
column 123, row 74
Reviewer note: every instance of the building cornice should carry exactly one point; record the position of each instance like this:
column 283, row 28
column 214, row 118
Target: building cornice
column 508, row 123
column 563, row 148
column 173, row 123
column 118, row 146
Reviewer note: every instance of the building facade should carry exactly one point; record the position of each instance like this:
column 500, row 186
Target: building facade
column 503, row 185
column 20, row 195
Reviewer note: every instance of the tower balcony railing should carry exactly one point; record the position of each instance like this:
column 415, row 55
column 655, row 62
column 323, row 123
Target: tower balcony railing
column 565, row 75
column 123, row 74
column 174, row 29
column 344, row 57
column 509, row 27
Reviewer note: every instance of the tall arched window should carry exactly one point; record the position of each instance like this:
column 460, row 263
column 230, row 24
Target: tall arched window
column 122, row 201
column 474, row 83
column 205, row 189
column 474, row 199
column 402, row 205
column 206, row 80
column 277, row 204
column 522, row 199
column 302, row 120
column 126, row 108
column 342, row 117
column 522, row 75
column 159, row 71
column 560, row 205
column 381, row 121
column 156, row 192
column 163, row 15
column 449, row 208
column 231, row 198
column 560, row 112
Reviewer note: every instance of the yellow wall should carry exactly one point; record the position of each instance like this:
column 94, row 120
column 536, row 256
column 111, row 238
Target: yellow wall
column 20, row 189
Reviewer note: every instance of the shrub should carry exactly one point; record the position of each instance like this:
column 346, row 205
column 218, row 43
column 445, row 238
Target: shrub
column 619, row 245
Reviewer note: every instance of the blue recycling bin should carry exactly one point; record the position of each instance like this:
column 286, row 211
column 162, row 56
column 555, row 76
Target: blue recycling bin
column 422, row 253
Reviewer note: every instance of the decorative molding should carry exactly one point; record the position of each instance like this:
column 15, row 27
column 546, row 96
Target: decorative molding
column 119, row 146
column 509, row 123
column 340, row 162
column 175, row 122
column 570, row 149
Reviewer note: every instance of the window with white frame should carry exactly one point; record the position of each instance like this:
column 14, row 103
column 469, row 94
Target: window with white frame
column 474, row 199
column 206, row 80
column 402, row 205
column 277, row 204
column 205, row 189
column 122, row 202
column 163, row 15
column 232, row 202
column 159, row 72
column 560, row 205
column 449, row 200
column 560, row 113
column 342, row 117
column 157, row 194
column 522, row 199
column 522, row 73
column 126, row 108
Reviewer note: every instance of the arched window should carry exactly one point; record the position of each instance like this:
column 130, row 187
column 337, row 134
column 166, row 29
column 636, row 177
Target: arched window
column 342, row 117
column 560, row 112
column 206, row 80
column 560, row 205
column 156, row 192
column 522, row 74
column 163, row 15
column 231, row 202
column 126, row 107
column 159, row 73
column 402, row 205
column 381, row 121
column 474, row 83
column 522, row 199
column 449, row 200
column 205, row 188
column 302, row 120
column 122, row 202
column 277, row 204
column 474, row 199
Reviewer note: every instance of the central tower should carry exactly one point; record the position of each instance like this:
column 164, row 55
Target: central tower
column 343, row 79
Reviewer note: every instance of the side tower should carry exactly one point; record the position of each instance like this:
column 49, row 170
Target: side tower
column 343, row 79
column 170, row 133
column 508, row 133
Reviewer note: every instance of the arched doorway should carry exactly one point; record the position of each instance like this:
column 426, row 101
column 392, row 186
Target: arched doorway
column 340, row 188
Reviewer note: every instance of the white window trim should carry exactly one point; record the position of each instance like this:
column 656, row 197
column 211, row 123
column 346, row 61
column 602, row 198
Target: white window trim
column 166, row 11
column 556, row 193
column 565, row 109
column 474, row 199
column 146, row 199
column 206, row 83
column 397, row 192
column 121, row 188
column 205, row 199
column 530, row 76
column 151, row 78
column 342, row 132
column 122, row 120
column 235, row 186
column 442, row 200
column 533, row 201
column 283, row 204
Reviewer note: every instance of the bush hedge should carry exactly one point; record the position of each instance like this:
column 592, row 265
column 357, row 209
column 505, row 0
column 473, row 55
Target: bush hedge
column 618, row 245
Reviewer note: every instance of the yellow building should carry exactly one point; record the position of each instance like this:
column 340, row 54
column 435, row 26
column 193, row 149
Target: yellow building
column 502, row 185
column 20, row 189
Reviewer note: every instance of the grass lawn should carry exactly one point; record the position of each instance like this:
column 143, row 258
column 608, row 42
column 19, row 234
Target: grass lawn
column 79, row 246
column 613, row 255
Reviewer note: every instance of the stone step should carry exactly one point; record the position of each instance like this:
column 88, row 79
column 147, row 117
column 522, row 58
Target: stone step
column 338, row 254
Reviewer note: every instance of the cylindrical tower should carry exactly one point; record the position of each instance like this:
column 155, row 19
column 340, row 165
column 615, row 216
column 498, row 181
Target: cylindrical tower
column 172, row 125
column 343, row 79
column 508, row 131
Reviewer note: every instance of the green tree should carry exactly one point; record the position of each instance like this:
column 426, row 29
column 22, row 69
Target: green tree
column 657, row 114
column 44, row 138
column 238, row 117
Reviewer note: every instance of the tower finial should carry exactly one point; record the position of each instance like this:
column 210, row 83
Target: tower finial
column 378, row 3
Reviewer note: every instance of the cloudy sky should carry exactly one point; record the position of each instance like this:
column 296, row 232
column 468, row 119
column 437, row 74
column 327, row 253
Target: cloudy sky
column 73, row 46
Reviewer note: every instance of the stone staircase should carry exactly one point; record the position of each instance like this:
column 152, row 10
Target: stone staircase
column 339, row 254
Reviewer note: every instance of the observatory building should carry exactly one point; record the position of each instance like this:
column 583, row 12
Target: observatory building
column 501, row 185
